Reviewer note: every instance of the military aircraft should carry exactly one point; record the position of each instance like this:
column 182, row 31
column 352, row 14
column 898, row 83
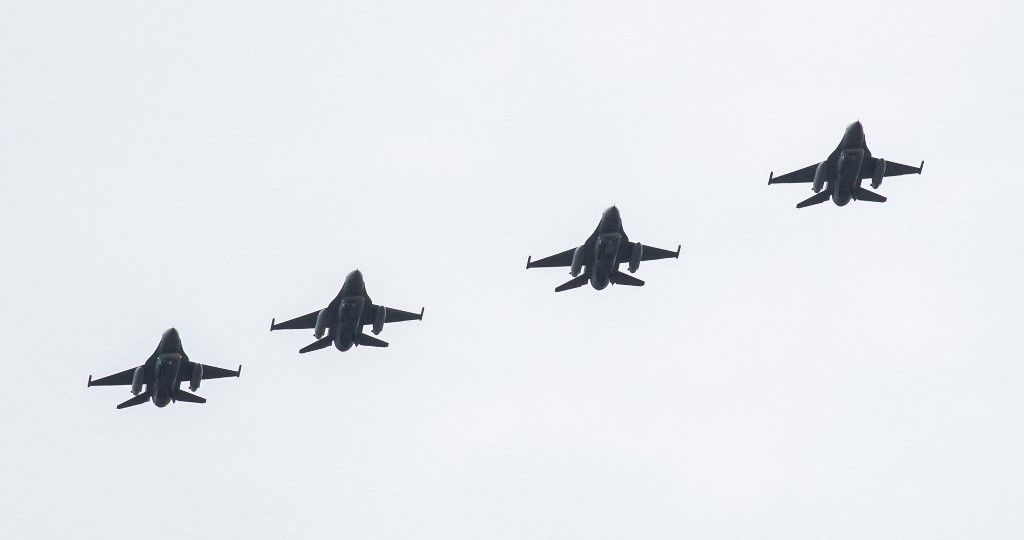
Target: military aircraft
column 841, row 174
column 598, row 259
column 163, row 374
column 344, row 318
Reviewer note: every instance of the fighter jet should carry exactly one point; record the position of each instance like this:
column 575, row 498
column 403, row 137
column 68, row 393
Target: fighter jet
column 344, row 318
column 163, row 374
column 841, row 174
column 598, row 259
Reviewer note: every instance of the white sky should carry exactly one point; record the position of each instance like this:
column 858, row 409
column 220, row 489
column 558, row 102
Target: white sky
column 827, row 372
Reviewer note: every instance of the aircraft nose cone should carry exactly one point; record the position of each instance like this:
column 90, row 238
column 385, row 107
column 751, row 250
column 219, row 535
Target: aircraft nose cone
column 355, row 275
column 612, row 212
column 171, row 332
column 856, row 126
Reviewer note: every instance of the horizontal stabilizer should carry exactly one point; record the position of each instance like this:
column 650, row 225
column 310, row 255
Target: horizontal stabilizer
column 369, row 341
column 862, row 194
column 181, row 395
column 573, row 283
column 818, row 198
column 619, row 278
column 137, row 400
column 316, row 345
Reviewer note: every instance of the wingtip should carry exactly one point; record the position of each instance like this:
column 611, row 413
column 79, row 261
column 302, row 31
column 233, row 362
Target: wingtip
column 422, row 309
column 239, row 373
column 88, row 384
column 678, row 249
column 921, row 168
column 272, row 321
column 529, row 259
column 770, row 176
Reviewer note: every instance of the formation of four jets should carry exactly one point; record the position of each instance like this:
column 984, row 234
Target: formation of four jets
column 596, row 261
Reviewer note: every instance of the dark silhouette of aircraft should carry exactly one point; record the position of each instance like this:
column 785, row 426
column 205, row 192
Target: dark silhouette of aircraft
column 841, row 174
column 163, row 374
column 344, row 318
column 598, row 259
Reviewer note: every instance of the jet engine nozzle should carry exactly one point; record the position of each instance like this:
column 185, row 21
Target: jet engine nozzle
column 636, row 257
column 321, row 324
column 197, row 377
column 137, row 381
column 819, row 178
column 378, row 320
column 577, row 262
column 879, row 173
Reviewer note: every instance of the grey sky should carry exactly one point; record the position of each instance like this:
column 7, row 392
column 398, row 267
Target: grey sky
column 828, row 372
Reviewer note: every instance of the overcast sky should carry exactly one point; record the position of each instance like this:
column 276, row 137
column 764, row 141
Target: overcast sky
column 825, row 372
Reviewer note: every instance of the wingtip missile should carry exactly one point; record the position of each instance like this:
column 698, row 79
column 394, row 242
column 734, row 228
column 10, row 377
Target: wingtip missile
column 678, row 249
column 239, row 372
column 921, row 168
column 528, row 260
column 272, row 324
column 88, row 384
column 770, row 176
column 422, row 309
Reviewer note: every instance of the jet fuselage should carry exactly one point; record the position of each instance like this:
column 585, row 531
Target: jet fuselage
column 606, row 249
column 846, row 167
column 166, row 367
column 345, row 312
column 161, row 373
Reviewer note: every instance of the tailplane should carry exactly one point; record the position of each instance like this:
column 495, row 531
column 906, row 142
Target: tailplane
column 862, row 194
column 619, row 278
column 181, row 395
column 573, row 283
column 369, row 341
column 817, row 198
column 316, row 345
column 137, row 400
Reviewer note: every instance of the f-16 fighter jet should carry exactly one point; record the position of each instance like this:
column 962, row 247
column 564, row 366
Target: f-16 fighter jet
column 161, row 377
column 598, row 259
column 344, row 318
column 842, row 173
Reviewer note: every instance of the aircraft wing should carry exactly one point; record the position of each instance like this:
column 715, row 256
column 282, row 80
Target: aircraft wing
column 652, row 253
column 299, row 323
column 561, row 259
column 397, row 315
column 118, row 379
column 796, row 177
column 891, row 169
column 392, row 315
column 210, row 372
